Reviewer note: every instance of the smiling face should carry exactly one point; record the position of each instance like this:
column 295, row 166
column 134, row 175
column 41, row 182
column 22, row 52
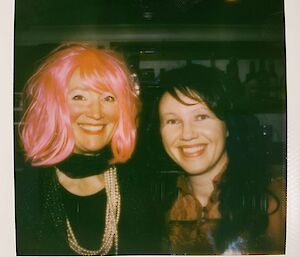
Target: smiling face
column 193, row 136
column 94, row 116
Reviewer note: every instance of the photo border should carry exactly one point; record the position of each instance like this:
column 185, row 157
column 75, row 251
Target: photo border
column 7, row 212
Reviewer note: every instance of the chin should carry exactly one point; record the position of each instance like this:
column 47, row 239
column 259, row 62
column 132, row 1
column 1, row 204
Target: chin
column 90, row 149
column 192, row 170
column 95, row 149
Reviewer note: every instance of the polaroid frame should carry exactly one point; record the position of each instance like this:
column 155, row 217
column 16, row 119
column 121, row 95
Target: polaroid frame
column 7, row 215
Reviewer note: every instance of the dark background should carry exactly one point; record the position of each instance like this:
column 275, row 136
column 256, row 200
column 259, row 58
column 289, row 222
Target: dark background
column 95, row 12
column 225, row 32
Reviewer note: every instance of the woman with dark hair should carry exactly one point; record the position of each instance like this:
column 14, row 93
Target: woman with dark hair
column 79, row 126
column 223, row 201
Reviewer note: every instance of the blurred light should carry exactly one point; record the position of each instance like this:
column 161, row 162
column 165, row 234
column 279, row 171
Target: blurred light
column 231, row 1
column 148, row 15
column 147, row 51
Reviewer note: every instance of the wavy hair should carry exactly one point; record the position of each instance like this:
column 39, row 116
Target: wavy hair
column 45, row 127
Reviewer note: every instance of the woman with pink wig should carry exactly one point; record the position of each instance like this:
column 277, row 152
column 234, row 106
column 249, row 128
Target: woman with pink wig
column 79, row 125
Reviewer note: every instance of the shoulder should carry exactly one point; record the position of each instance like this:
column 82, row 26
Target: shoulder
column 277, row 214
column 27, row 203
column 127, row 178
column 29, row 192
column 133, row 179
column 27, row 182
column 277, row 184
column 277, row 195
column 139, row 222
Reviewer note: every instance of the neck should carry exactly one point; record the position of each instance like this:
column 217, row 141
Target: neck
column 202, row 185
column 81, row 165
column 83, row 174
column 81, row 186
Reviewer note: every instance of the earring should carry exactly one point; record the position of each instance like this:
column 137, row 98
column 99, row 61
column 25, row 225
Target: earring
column 136, row 83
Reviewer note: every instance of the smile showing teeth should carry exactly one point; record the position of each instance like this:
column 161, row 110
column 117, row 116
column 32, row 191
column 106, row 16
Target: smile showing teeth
column 193, row 151
column 92, row 128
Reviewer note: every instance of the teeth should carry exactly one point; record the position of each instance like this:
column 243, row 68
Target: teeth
column 190, row 150
column 92, row 128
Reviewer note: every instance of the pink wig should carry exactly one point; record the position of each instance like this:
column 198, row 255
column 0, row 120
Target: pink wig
column 45, row 129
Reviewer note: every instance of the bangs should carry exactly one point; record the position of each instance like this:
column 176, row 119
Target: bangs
column 215, row 104
column 186, row 91
column 95, row 80
column 101, row 72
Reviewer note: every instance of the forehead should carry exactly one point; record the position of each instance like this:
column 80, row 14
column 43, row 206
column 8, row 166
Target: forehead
column 169, row 104
column 85, row 82
column 75, row 80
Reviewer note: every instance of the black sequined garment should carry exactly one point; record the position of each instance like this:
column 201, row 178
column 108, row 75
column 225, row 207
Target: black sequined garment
column 42, row 205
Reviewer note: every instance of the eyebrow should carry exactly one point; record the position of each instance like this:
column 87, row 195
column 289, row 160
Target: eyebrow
column 77, row 88
column 87, row 89
column 202, row 107
column 168, row 113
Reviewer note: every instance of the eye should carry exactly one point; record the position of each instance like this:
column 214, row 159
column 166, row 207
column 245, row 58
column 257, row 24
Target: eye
column 78, row 98
column 172, row 121
column 109, row 98
column 202, row 117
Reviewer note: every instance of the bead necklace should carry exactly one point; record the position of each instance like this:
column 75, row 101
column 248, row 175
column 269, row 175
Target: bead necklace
column 113, row 208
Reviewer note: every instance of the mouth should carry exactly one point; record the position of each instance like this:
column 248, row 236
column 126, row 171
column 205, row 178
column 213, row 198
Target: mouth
column 92, row 128
column 192, row 150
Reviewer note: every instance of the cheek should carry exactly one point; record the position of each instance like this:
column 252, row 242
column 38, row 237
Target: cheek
column 215, row 131
column 75, row 112
column 111, row 112
column 218, row 135
column 164, row 135
column 168, row 137
column 74, row 118
column 115, row 116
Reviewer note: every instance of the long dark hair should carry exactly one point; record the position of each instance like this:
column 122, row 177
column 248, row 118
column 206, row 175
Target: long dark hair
column 243, row 189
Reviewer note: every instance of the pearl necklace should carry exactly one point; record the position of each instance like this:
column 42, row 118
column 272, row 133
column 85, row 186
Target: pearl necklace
column 113, row 208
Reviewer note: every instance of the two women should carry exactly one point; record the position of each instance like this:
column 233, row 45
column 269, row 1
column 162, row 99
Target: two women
column 223, row 203
column 79, row 125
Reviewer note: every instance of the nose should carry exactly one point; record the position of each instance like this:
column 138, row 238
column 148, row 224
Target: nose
column 95, row 110
column 188, row 132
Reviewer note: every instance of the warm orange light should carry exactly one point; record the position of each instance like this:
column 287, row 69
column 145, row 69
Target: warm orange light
column 232, row 1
